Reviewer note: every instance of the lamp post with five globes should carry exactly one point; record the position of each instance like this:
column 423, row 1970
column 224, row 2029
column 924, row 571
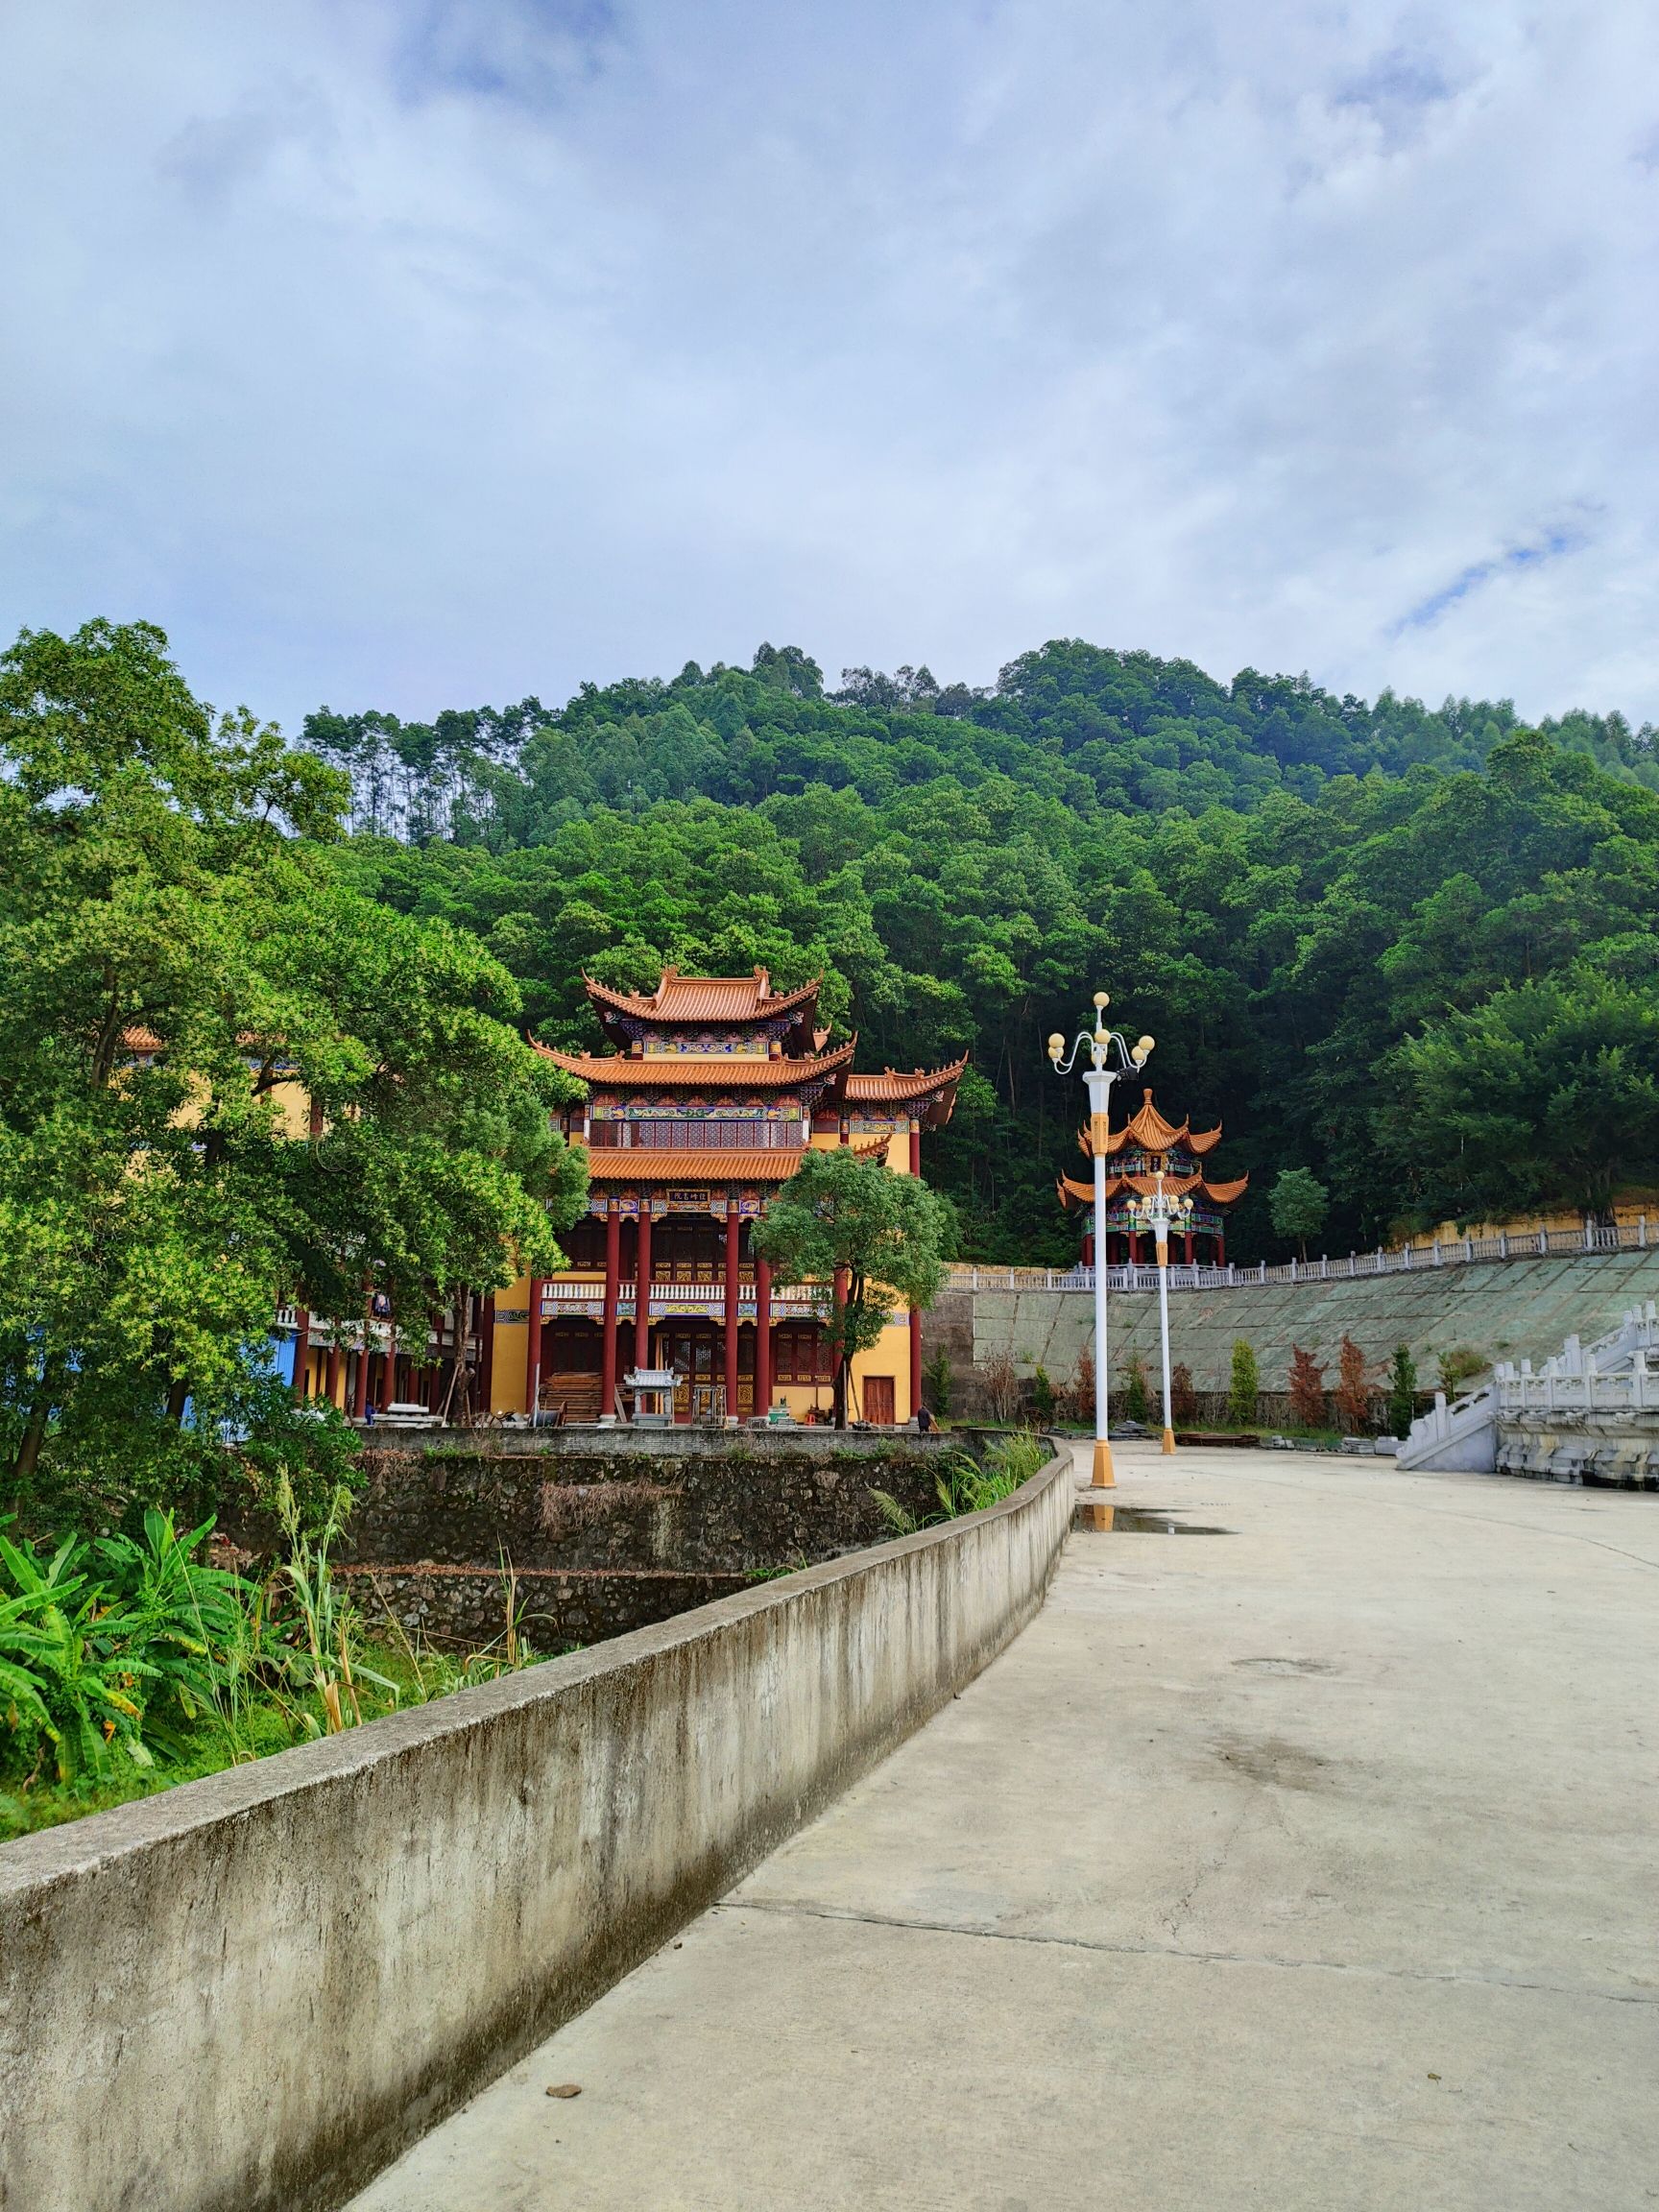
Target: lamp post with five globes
column 1098, row 1078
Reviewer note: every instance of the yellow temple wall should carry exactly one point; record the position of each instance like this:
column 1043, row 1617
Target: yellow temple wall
column 509, row 1377
column 293, row 1103
column 508, row 1373
column 1627, row 1212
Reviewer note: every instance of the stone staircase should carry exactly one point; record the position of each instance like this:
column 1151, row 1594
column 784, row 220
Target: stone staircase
column 1590, row 1414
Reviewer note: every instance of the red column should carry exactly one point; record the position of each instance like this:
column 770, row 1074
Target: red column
column 532, row 1349
column 836, row 1361
column 360, row 1396
column 612, row 1292
column 332, row 1375
column 731, row 1229
column 1088, row 1247
column 915, row 1362
column 915, row 1147
column 1221, row 1250
column 1187, row 1245
column 762, row 1335
column 642, row 1289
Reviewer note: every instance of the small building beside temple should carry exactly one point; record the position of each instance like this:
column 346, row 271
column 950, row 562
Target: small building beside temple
column 1146, row 1146
column 713, row 1091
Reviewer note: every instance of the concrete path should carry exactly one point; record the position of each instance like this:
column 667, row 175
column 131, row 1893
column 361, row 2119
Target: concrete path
column 1306, row 1867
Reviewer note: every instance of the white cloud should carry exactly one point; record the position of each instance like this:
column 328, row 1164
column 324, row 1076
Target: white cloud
column 415, row 354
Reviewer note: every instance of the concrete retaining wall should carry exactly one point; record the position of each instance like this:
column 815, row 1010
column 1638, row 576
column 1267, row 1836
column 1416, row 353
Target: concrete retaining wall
column 606, row 1531
column 1509, row 1309
column 1601, row 1451
column 256, row 1990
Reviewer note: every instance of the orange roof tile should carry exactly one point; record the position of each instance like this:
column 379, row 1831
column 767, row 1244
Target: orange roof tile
column 897, row 1087
column 1145, row 1187
column 680, row 998
column 701, row 1070
column 1148, row 1131
column 665, row 1164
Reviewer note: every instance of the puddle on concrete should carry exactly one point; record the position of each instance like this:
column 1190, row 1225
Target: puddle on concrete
column 1100, row 1518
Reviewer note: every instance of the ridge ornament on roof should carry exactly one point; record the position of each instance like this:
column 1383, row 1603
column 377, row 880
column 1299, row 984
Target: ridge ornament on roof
column 716, row 998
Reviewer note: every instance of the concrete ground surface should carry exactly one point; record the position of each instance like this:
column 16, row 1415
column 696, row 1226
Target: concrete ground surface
column 1307, row 1865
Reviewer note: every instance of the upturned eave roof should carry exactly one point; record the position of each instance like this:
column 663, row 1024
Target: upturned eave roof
column 893, row 1087
column 699, row 1071
column 1147, row 1187
column 1148, row 1131
column 716, row 998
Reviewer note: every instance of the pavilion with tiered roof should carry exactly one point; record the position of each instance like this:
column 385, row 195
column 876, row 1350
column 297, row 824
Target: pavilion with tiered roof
column 1146, row 1146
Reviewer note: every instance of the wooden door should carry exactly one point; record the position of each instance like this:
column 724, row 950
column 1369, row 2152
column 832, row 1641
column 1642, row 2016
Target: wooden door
column 879, row 1400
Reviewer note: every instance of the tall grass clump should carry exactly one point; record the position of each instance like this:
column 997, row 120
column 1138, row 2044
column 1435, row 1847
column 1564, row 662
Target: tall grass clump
column 968, row 1486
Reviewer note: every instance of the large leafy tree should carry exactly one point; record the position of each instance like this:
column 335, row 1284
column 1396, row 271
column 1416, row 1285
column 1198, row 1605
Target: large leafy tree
column 864, row 1240
column 1548, row 1094
column 183, row 962
column 1298, row 1204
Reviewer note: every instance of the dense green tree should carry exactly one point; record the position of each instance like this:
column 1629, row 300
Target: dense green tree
column 1298, row 1204
column 181, row 953
column 865, row 1240
column 1546, row 1095
column 1281, row 922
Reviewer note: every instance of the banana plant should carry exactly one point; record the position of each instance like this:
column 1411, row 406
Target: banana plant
column 76, row 1649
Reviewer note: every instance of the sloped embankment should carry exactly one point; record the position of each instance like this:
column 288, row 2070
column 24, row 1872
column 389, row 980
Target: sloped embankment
column 1505, row 1310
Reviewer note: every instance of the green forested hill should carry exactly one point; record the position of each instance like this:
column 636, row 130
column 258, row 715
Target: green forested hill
column 1409, row 949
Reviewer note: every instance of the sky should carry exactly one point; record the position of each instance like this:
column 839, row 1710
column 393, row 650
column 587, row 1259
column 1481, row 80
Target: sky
column 422, row 353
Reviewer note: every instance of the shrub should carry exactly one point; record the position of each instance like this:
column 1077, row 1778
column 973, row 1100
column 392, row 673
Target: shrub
column 1001, row 1381
column 1244, row 1388
column 1043, row 1396
column 1306, row 1389
column 937, row 1381
column 1353, row 1391
column 1135, row 1398
column 1402, row 1391
column 1183, row 1397
column 1080, row 1391
column 1459, row 1367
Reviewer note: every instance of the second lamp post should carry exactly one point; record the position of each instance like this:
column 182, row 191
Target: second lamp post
column 1158, row 1211
column 1098, row 1078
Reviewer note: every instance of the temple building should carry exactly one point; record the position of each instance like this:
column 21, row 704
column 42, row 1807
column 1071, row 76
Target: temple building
column 1136, row 1154
column 712, row 1092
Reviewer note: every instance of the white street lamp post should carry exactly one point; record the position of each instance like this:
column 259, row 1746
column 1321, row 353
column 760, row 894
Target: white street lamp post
column 1098, row 1078
column 1157, row 1214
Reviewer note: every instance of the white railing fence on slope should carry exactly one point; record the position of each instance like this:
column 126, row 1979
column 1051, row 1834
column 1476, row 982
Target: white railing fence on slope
column 1401, row 1259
